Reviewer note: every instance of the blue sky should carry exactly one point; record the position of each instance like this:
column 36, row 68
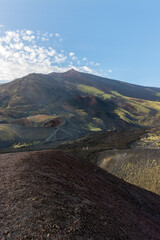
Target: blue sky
column 119, row 39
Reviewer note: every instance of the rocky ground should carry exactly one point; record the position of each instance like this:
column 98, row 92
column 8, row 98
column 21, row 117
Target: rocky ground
column 54, row 195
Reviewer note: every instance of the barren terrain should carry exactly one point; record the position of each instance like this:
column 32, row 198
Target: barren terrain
column 53, row 195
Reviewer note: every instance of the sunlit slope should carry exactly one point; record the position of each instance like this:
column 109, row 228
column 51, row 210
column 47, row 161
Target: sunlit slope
column 92, row 102
column 137, row 166
column 41, row 95
column 131, row 110
column 133, row 103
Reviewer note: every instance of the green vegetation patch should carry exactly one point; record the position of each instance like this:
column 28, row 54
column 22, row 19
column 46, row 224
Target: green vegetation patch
column 94, row 92
column 91, row 127
column 23, row 145
column 117, row 94
column 81, row 112
column 133, row 110
column 98, row 121
column 124, row 115
column 141, row 111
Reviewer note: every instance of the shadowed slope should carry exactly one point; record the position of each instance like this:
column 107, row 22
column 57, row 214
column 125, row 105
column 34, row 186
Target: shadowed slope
column 53, row 195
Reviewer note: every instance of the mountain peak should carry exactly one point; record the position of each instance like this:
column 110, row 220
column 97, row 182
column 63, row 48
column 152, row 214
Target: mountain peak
column 71, row 71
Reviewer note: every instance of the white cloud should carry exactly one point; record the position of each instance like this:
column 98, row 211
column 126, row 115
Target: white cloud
column 71, row 54
column 25, row 51
column 57, row 34
column 10, row 37
column 17, row 46
column 29, row 32
column 60, row 58
column 52, row 52
column 28, row 38
column 45, row 37
column 87, row 69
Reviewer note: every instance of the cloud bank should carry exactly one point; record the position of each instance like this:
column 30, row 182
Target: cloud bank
column 25, row 51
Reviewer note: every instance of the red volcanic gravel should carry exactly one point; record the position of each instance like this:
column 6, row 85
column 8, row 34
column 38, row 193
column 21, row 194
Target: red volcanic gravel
column 53, row 195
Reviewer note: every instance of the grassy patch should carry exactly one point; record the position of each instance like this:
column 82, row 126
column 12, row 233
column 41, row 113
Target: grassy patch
column 132, row 110
column 124, row 115
column 22, row 145
column 94, row 92
column 141, row 111
column 91, row 127
column 81, row 112
column 98, row 121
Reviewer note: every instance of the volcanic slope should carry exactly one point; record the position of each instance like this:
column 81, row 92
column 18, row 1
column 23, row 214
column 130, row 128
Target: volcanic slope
column 42, row 94
column 133, row 104
column 79, row 94
column 54, row 195
column 139, row 165
column 133, row 155
column 84, row 102
column 75, row 78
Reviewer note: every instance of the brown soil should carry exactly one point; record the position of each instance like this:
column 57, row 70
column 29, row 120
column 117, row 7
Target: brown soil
column 53, row 195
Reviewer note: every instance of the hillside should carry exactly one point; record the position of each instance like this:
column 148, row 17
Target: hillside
column 85, row 102
column 107, row 85
column 53, row 195
column 137, row 166
column 57, row 93
column 132, row 155
column 133, row 104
